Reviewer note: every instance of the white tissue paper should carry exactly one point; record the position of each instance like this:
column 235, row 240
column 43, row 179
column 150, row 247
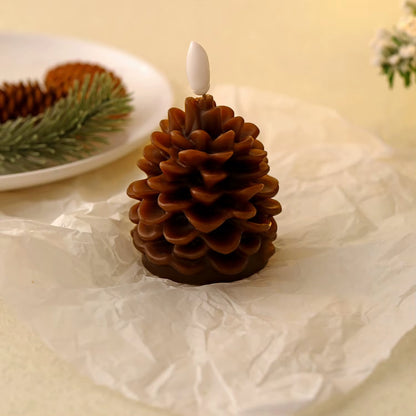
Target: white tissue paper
column 331, row 304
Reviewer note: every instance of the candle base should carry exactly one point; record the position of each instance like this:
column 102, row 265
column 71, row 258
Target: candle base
column 209, row 275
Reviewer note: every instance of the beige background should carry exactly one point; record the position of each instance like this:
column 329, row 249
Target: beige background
column 314, row 50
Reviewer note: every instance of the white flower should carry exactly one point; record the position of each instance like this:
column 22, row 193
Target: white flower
column 386, row 44
column 394, row 59
column 407, row 51
column 381, row 43
column 403, row 67
column 407, row 24
column 377, row 60
column 380, row 38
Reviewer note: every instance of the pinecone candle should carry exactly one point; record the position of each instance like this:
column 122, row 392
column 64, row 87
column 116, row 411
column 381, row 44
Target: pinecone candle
column 205, row 211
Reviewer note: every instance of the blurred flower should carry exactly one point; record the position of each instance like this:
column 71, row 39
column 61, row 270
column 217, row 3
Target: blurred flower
column 395, row 51
column 407, row 51
column 381, row 39
column 394, row 59
column 407, row 24
column 377, row 60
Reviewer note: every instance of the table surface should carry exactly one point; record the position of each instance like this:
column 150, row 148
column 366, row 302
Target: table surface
column 316, row 51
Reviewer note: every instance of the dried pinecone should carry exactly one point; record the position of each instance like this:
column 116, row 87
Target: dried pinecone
column 62, row 77
column 205, row 212
column 23, row 99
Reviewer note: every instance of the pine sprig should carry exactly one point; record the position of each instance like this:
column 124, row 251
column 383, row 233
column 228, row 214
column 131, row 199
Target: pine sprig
column 71, row 129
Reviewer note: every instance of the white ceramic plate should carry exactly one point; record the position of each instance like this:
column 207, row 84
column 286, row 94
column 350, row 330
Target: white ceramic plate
column 28, row 56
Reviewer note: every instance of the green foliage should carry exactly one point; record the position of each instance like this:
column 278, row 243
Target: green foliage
column 411, row 6
column 72, row 129
column 405, row 74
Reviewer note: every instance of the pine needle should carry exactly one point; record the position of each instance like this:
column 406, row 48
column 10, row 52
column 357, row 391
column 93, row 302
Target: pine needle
column 71, row 129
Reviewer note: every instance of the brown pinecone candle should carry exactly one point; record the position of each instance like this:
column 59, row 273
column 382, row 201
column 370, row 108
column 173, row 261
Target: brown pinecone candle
column 205, row 211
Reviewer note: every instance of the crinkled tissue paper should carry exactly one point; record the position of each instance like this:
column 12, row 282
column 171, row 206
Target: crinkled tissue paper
column 331, row 304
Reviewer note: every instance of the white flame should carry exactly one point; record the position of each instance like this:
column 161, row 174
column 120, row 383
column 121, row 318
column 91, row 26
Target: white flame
column 197, row 68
